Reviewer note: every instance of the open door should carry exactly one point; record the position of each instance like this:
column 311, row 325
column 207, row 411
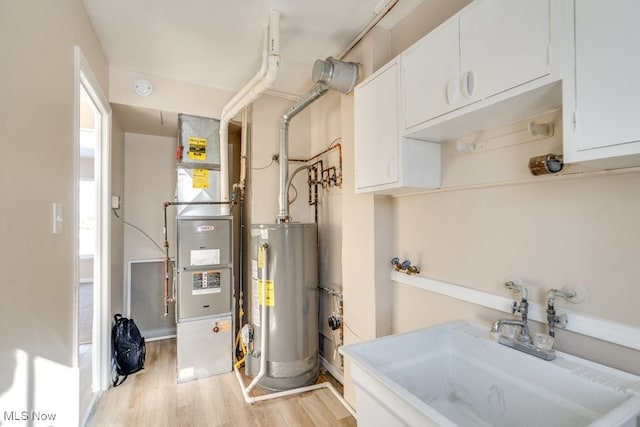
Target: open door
column 92, row 246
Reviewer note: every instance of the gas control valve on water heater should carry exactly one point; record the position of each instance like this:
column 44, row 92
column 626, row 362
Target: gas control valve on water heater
column 284, row 268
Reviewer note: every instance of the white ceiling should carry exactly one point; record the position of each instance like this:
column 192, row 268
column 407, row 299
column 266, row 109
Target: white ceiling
column 218, row 43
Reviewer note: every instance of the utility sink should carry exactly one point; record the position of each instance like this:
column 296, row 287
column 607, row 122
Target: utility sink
column 454, row 375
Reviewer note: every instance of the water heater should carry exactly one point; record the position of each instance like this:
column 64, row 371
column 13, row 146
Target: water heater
column 284, row 268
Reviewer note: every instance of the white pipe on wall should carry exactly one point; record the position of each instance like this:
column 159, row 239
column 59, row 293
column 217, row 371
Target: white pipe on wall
column 264, row 318
column 262, row 81
column 381, row 12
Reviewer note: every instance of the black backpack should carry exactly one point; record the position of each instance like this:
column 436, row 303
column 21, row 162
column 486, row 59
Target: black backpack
column 127, row 346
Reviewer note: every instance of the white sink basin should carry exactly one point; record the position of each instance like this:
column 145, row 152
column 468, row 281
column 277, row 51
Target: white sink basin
column 454, row 375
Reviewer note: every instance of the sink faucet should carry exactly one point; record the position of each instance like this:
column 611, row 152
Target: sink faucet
column 522, row 341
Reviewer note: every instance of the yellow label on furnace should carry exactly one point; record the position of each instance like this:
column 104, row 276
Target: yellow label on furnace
column 261, row 257
column 197, row 148
column 270, row 295
column 200, row 178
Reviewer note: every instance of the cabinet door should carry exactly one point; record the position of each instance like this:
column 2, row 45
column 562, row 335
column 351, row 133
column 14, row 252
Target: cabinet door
column 503, row 44
column 429, row 67
column 607, row 42
column 376, row 129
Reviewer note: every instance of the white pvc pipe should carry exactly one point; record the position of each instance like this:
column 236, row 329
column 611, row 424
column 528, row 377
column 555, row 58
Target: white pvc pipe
column 263, row 324
column 381, row 13
column 251, row 400
column 262, row 81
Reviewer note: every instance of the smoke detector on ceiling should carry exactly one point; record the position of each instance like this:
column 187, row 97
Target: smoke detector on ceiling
column 143, row 87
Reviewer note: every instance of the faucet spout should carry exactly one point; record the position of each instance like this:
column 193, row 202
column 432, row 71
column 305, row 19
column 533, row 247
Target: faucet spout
column 495, row 328
column 522, row 323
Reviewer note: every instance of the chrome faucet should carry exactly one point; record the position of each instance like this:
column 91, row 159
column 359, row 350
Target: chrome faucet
column 522, row 341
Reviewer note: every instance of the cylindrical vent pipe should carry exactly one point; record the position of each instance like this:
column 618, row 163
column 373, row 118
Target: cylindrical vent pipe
column 329, row 74
column 335, row 75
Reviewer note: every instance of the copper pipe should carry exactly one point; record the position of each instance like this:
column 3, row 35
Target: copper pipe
column 331, row 147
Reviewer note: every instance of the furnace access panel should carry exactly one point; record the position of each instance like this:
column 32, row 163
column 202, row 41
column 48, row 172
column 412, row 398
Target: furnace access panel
column 204, row 265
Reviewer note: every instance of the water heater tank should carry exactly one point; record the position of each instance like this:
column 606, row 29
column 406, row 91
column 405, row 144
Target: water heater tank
column 292, row 304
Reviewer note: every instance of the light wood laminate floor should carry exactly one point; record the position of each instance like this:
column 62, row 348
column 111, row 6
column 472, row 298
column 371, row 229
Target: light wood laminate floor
column 152, row 397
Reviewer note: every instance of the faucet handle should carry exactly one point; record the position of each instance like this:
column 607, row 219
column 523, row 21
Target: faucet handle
column 560, row 320
column 514, row 307
column 516, row 285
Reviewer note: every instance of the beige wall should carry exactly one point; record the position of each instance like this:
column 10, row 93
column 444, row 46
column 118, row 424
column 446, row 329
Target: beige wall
column 325, row 129
column 577, row 228
column 264, row 175
column 118, row 270
column 37, row 42
column 149, row 181
column 168, row 95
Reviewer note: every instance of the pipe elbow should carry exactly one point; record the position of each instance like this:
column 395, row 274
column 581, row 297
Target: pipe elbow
column 265, row 83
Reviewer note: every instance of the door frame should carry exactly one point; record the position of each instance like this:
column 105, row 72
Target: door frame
column 101, row 363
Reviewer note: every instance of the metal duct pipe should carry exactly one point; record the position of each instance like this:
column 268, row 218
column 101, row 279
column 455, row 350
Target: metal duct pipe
column 329, row 74
column 306, row 100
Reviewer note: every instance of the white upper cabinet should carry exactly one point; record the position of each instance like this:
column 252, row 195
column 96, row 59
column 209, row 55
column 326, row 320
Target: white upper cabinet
column 489, row 48
column 385, row 162
column 376, row 129
column 428, row 67
column 503, row 44
column 601, row 95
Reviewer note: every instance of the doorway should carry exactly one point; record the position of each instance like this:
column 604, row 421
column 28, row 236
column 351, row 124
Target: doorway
column 92, row 243
column 87, row 240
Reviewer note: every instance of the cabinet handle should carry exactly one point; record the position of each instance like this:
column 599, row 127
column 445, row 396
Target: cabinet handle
column 468, row 84
column 453, row 91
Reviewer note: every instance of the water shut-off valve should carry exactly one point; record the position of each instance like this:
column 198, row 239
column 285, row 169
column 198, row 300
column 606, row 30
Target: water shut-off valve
column 570, row 293
column 405, row 266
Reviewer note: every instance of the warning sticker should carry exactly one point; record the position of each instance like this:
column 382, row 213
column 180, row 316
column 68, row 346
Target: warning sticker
column 270, row 299
column 200, row 178
column 205, row 256
column 262, row 255
column 206, row 282
column 255, row 303
column 197, row 148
